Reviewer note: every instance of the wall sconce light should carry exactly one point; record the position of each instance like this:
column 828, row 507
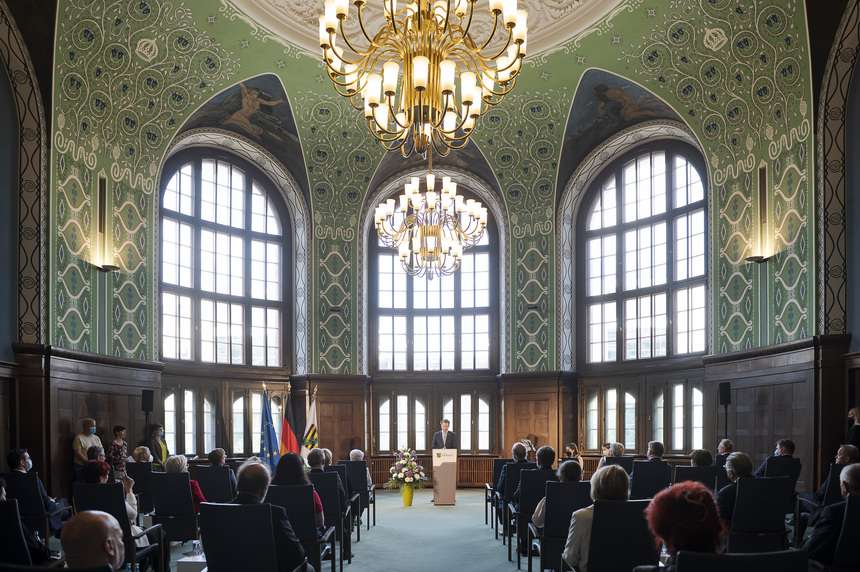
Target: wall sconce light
column 764, row 252
column 104, row 244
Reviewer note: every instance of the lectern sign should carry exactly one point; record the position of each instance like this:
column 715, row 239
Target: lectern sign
column 444, row 476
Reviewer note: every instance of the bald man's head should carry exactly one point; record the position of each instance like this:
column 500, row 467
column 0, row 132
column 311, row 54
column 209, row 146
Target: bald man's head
column 93, row 538
column 254, row 480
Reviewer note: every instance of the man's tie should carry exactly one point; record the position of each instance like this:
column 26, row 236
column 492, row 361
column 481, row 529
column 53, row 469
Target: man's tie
column 444, row 440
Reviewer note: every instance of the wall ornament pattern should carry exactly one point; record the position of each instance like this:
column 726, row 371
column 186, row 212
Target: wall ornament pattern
column 298, row 211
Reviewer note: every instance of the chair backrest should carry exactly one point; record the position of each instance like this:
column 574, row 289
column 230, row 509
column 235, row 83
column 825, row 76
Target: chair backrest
column 14, row 546
column 141, row 474
column 620, row 523
column 783, row 560
column 512, row 477
column 109, row 498
column 497, row 470
column 326, row 487
column 171, row 494
column 625, row 462
column 562, row 500
column 847, row 550
column 711, row 476
column 649, row 478
column 19, row 568
column 233, row 532
column 833, row 491
column 298, row 501
column 720, row 459
column 340, row 470
column 760, row 504
column 356, row 474
column 533, row 488
column 215, row 483
column 24, row 487
column 783, row 467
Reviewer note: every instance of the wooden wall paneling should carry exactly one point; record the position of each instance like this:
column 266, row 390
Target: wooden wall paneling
column 8, row 375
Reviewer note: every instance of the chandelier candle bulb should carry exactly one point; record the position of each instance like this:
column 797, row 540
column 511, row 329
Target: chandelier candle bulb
column 330, row 17
column 495, row 6
column 390, row 207
column 520, row 28
column 341, row 8
column 467, row 88
column 390, row 73
column 350, row 76
column 447, row 69
column 420, row 71
column 431, row 184
column 374, row 82
column 509, row 13
column 368, row 111
column 504, row 71
column 323, row 33
column 470, row 207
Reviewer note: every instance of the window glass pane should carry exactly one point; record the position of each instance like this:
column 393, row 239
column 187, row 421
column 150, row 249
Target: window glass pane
column 238, row 424
column 465, row 422
column 402, row 421
column 601, row 332
column 678, row 416
column 629, row 421
column 645, row 327
column 265, row 336
column 603, row 213
column 688, row 184
column 591, row 414
column 222, row 332
column 265, row 270
column 176, row 326
column 179, row 192
column 690, row 245
column 420, row 426
column 644, row 186
column 256, row 420
column 190, row 423
column 177, row 245
column 208, row 420
column 264, row 218
column 698, row 418
column 222, row 263
column 484, row 422
column 611, row 415
column 385, row 424
column 448, row 409
column 690, row 320
column 659, row 412
column 170, row 421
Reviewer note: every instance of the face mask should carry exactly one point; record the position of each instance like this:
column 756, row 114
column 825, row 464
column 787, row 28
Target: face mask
column 161, row 433
column 29, row 465
column 92, row 430
column 605, row 453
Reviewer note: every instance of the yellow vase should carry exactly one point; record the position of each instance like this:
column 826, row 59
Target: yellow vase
column 407, row 491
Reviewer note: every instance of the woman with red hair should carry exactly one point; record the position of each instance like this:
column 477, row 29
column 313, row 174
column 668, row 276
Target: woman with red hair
column 684, row 517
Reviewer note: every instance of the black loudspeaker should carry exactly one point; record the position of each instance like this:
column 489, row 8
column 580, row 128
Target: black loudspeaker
column 725, row 393
column 146, row 401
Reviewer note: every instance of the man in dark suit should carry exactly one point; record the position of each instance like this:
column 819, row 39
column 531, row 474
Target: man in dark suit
column 654, row 455
column 518, row 453
column 724, row 449
column 252, row 484
column 822, row 544
column 738, row 466
column 783, row 448
column 20, row 463
column 444, row 439
column 845, row 455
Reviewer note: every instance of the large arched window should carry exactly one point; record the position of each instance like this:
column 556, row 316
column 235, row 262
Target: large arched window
column 642, row 279
column 445, row 324
column 225, row 265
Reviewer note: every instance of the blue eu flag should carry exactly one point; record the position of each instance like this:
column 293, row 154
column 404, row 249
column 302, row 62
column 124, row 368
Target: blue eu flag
column 269, row 446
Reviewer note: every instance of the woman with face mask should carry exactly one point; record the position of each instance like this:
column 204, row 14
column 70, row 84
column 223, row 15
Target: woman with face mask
column 158, row 447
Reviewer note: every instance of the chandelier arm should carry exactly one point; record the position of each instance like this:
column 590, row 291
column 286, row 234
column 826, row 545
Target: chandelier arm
column 361, row 25
column 492, row 33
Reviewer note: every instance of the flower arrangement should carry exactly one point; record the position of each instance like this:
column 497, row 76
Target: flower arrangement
column 406, row 471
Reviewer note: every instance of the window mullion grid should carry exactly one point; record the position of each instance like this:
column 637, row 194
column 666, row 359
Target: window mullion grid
column 197, row 256
column 410, row 319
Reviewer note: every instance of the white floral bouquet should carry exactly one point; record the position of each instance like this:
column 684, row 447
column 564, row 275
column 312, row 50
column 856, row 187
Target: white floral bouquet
column 406, row 470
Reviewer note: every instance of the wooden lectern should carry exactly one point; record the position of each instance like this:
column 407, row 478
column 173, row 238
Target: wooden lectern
column 444, row 476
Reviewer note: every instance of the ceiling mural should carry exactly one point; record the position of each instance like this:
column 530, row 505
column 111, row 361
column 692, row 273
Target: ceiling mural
column 604, row 105
column 258, row 108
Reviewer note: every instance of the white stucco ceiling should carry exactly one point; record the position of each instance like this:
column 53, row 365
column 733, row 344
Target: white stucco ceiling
column 550, row 21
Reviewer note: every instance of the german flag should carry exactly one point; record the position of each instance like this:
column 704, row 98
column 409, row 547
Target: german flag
column 289, row 441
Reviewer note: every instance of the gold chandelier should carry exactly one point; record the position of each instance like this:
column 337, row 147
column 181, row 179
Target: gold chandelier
column 430, row 230
column 448, row 79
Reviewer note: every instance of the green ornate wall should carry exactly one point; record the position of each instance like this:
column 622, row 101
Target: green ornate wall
column 129, row 74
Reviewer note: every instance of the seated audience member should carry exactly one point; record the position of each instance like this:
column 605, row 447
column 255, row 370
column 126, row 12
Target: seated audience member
column 218, row 458
column 93, row 538
column 655, row 455
column 252, row 460
column 142, row 455
column 571, row 451
column 358, row 455
column 545, row 459
column 724, row 449
column 701, row 458
column 607, row 483
column 96, row 453
column 291, row 472
column 738, row 466
column 518, row 452
column 117, row 451
column 19, row 461
column 179, row 464
column 783, row 448
column 845, row 455
column 684, row 517
column 610, row 450
column 329, row 458
column 568, row 472
column 317, row 461
column 38, row 550
column 822, row 544
column 253, row 484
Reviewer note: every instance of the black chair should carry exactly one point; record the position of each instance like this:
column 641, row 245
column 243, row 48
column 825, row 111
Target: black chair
column 174, row 506
column 20, row 568
column 336, row 516
column 25, row 488
column 720, row 459
column 785, row 467
column 512, row 481
column 562, row 500
column 233, row 532
column 758, row 519
column 784, row 561
column 649, row 478
column 490, row 497
column 354, row 501
column 805, row 508
column 532, row 489
column 847, row 553
column 14, row 546
column 356, row 474
column 298, row 501
column 621, row 537
column 715, row 478
column 215, row 483
column 625, row 462
column 141, row 474
column 110, row 498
